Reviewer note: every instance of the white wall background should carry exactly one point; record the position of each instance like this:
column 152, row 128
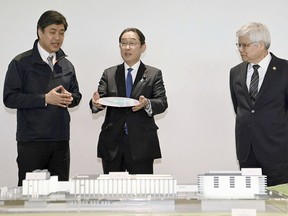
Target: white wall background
column 192, row 41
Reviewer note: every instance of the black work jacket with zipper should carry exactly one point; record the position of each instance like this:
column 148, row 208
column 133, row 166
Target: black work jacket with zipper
column 27, row 81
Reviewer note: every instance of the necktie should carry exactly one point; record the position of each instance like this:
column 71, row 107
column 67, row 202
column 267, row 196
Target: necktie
column 253, row 89
column 50, row 61
column 129, row 82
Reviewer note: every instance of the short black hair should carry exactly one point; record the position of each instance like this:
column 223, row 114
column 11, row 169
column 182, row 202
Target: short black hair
column 51, row 17
column 135, row 30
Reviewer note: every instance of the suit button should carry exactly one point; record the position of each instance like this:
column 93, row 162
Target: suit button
column 252, row 111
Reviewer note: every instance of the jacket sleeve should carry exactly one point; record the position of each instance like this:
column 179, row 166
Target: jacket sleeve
column 74, row 89
column 233, row 95
column 102, row 90
column 159, row 100
column 13, row 93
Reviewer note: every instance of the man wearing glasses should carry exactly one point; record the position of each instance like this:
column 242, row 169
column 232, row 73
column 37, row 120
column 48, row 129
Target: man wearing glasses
column 259, row 91
column 128, row 140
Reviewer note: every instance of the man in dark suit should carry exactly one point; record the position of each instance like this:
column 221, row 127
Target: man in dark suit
column 128, row 140
column 259, row 91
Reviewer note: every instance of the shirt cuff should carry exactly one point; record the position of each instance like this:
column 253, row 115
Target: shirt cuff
column 94, row 109
column 148, row 108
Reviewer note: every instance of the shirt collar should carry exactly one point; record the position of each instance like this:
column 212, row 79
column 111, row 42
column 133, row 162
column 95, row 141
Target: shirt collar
column 44, row 54
column 264, row 63
column 134, row 67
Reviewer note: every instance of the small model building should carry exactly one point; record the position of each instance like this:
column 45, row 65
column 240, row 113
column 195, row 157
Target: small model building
column 231, row 185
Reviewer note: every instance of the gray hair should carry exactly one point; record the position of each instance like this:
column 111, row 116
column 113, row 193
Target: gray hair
column 256, row 32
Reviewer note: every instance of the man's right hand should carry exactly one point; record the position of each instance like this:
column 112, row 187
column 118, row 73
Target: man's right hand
column 95, row 97
column 59, row 96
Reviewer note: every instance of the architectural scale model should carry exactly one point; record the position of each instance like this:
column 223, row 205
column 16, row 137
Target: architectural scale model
column 120, row 185
column 231, row 185
column 123, row 186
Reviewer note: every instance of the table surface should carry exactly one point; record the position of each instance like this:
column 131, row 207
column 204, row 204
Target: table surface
column 175, row 207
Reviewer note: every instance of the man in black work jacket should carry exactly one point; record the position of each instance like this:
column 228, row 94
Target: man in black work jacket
column 41, row 91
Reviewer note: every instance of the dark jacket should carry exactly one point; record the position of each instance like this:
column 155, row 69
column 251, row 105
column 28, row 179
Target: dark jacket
column 27, row 81
column 264, row 125
column 142, row 130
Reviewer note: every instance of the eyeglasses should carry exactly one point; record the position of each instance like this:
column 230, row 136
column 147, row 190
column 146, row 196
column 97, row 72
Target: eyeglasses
column 239, row 45
column 131, row 44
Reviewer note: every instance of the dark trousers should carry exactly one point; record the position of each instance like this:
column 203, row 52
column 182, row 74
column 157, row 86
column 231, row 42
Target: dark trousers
column 276, row 173
column 124, row 162
column 53, row 156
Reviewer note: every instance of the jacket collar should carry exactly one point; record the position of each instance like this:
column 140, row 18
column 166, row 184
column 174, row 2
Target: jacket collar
column 120, row 79
column 269, row 76
column 36, row 58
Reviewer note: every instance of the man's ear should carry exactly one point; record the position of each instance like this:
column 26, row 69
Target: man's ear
column 143, row 48
column 39, row 33
column 262, row 45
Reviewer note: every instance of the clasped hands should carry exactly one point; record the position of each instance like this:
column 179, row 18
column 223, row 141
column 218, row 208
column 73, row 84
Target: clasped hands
column 59, row 96
column 143, row 102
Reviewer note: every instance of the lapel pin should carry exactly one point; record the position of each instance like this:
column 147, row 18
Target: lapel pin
column 274, row 68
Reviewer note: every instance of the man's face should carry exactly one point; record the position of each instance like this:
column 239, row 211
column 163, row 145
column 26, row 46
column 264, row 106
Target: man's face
column 52, row 37
column 250, row 51
column 131, row 48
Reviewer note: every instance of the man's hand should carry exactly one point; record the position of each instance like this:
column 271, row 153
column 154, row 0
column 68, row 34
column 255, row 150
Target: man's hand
column 59, row 96
column 143, row 102
column 95, row 97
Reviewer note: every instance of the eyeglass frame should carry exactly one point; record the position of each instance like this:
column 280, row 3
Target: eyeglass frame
column 130, row 44
column 244, row 46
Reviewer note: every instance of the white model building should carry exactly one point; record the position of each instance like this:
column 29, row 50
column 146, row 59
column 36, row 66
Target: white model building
column 231, row 185
column 125, row 185
column 109, row 186
column 212, row 185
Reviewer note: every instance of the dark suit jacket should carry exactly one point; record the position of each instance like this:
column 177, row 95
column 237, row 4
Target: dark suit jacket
column 143, row 138
column 264, row 126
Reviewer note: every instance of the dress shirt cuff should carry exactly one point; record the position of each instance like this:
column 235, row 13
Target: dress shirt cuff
column 148, row 108
column 44, row 98
column 94, row 109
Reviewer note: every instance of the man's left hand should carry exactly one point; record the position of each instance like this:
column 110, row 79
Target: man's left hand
column 143, row 102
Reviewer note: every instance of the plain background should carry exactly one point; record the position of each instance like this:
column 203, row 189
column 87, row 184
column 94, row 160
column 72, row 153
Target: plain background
column 191, row 41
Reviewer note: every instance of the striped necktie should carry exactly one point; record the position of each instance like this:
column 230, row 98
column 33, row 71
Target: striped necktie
column 253, row 89
column 50, row 61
